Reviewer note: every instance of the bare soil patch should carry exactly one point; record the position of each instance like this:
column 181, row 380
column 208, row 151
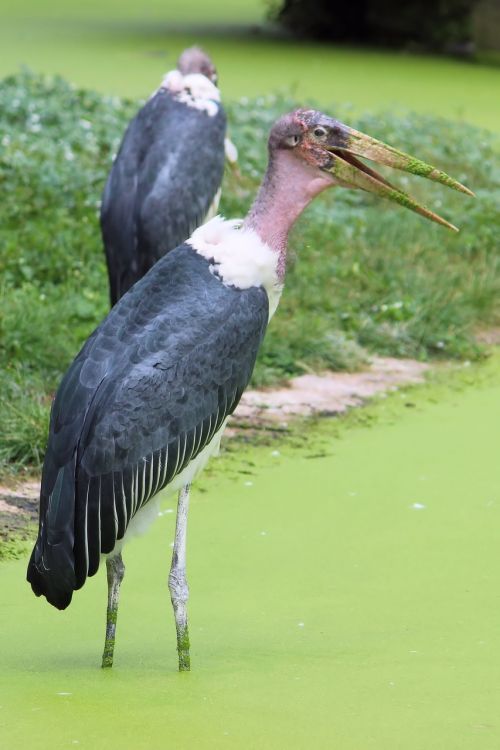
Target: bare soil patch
column 326, row 394
column 18, row 509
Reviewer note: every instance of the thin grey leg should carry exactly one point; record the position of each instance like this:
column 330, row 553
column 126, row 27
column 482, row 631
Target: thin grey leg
column 177, row 582
column 115, row 570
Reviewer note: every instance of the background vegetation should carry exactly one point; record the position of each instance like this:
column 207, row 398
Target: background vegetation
column 444, row 25
column 123, row 47
column 363, row 277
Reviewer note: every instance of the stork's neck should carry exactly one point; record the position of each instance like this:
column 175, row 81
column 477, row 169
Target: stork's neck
column 289, row 185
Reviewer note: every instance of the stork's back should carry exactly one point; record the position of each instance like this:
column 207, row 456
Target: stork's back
column 162, row 185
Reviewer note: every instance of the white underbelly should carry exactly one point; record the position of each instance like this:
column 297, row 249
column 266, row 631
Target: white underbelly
column 143, row 519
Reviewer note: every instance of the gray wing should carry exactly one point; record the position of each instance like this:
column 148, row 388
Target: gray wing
column 143, row 398
column 164, row 180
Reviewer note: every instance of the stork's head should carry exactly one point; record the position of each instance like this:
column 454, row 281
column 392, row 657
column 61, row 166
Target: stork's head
column 332, row 149
column 194, row 60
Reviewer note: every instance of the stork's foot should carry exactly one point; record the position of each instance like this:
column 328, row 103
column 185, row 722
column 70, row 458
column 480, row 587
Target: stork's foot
column 179, row 594
column 109, row 643
column 183, row 650
column 107, row 656
column 115, row 571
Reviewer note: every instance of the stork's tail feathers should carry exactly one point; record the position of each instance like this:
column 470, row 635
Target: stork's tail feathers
column 51, row 569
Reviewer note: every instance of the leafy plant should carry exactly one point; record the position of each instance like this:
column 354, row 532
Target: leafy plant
column 442, row 25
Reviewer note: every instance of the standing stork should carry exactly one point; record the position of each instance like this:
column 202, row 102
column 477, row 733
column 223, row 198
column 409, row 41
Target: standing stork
column 166, row 178
column 144, row 404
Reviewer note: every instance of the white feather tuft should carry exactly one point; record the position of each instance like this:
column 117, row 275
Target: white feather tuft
column 193, row 89
column 239, row 256
column 143, row 519
column 230, row 150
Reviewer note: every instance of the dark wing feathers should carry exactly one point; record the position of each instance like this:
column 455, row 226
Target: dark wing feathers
column 161, row 186
column 146, row 394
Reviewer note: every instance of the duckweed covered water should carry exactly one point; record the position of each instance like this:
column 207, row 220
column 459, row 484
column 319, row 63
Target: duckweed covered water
column 345, row 595
column 124, row 47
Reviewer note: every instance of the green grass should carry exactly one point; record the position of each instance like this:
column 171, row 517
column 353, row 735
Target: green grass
column 124, row 48
column 364, row 276
column 348, row 600
column 17, row 544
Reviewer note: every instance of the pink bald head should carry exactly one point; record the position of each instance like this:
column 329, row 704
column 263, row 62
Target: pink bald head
column 194, row 60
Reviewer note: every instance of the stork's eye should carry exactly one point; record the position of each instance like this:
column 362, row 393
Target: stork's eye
column 292, row 140
column 319, row 132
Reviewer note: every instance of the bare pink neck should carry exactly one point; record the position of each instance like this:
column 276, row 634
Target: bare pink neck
column 289, row 185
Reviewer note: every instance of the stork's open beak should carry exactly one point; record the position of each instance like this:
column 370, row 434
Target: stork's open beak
column 345, row 144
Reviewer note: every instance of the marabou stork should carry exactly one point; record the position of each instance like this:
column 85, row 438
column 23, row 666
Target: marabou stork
column 145, row 402
column 166, row 179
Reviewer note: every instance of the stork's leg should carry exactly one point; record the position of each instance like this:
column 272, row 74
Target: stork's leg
column 177, row 583
column 115, row 570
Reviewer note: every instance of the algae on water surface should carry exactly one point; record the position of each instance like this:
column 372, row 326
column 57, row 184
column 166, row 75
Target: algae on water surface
column 348, row 600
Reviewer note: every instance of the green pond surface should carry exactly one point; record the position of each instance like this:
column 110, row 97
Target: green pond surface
column 344, row 594
column 124, row 47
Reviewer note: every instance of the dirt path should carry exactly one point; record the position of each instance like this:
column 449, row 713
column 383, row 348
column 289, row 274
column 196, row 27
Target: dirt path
column 328, row 394
column 308, row 395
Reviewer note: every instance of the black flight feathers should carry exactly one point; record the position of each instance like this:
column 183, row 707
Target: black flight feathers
column 143, row 397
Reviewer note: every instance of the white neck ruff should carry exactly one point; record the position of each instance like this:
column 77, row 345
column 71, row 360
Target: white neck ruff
column 240, row 258
column 194, row 89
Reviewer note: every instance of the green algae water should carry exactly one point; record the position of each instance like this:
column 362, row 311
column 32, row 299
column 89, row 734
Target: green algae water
column 124, row 47
column 343, row 595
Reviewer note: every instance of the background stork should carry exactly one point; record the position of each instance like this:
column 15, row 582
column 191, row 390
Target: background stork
column 166, row 178
column 144, row 403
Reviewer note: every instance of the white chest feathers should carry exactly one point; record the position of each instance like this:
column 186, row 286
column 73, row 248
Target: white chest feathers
column 240, row 258
column 193, row 89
